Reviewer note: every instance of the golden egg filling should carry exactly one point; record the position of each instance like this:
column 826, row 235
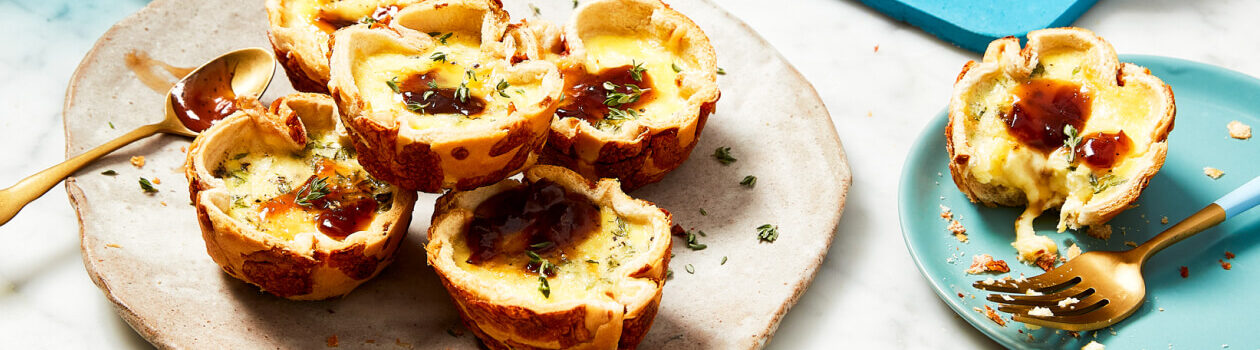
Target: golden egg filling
column 440, row 100
column 283, row 203
column 558, row 247
column 1060, row 124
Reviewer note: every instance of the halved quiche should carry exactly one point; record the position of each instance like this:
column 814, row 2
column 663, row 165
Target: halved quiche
column 1059, row 124
column 284, row 204
column 441, row 100
column 301, row 33
column 640, row 82
column 551, row 262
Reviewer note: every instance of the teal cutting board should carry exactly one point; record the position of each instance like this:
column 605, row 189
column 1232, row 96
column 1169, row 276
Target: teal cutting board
column 972, row 24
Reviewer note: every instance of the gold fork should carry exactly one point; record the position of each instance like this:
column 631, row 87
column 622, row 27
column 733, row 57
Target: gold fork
column 1098, row 289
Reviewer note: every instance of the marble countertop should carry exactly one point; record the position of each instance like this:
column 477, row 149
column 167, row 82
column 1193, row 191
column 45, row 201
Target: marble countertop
column 881, row 80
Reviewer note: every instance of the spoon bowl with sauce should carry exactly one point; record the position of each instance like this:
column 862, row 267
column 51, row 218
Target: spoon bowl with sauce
column 202, row 97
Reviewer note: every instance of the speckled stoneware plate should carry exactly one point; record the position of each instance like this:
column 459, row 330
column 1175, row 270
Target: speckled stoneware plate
column 1210, row 308
column 145, row 251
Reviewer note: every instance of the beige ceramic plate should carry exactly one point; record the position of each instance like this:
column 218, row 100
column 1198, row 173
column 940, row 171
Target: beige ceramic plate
column 145, row 251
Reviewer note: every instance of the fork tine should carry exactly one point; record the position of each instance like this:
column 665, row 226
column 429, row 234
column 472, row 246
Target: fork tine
column 1051, row 280
column 1039, row 300
column 1087, row 321
column 1086, row 304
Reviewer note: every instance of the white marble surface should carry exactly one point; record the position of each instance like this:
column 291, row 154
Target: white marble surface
column 868, row 293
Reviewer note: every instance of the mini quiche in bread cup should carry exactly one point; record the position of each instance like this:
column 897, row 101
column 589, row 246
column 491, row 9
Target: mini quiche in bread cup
column 440, row 100
column 301, row 33
column 640, row 82
column 1060, row 124
column 553, row 262
column 284, row 205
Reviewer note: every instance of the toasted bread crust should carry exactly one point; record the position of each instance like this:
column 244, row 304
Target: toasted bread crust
column 514, row 322
column 646, row 150
column 299, row 269
column 1004, row 57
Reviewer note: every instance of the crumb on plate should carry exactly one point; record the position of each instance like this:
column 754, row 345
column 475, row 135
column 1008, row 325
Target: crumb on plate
column 992, row 315
column 1093, row 345
column 1225, row 265
column 1068, row 302
column 982, row 263
column 1046, row 261
column 1073, row 251
column 1163, row 220
column 332, row 341
column 137, row 161
column 1185, row 271
column 1131, row 243
column 1213, row 173
column 1239, row 130
column 1041, row 311
column 1229, row 255
column 1102, row 232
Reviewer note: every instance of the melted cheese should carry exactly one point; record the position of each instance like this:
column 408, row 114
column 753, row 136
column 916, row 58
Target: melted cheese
column 588, row 273
column 254, row 175
column 462, row 51
column 607, row 51
column 1048, row 181
column 315, row 14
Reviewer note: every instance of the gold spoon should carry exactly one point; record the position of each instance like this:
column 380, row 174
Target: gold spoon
column 200, row 98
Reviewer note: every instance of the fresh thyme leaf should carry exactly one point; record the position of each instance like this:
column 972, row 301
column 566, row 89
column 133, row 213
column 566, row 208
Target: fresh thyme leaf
column 393, row 84
column 438, row 56
column 1038, row 71
column 1073, row 139
column 723, row 155
column 621, row 114
column 693, row 244
column 543, row 287
column 537, row 12
column 575, row 3
column 669, row 274
column 441, row 37
column 617, row 98
column 432, row 84
column 749, row 181
column 111, row 125
column 470, row 75
column 238, row 156
column 312, row 190
column 636, row 70
column 703, row 213
column 110, row 172
column 620, row 231
column 591, row 261
column 676, row 68
column 501, row 87
column 461, row 92
column 1102, row 184
column 723, row 260
column 147, row 186
column 417, row 106
column 721, row 71
column 1076, row 70
column 368, row 20
column 533, row 257
column 691, row 269
column 767, row 233
column 542, row 245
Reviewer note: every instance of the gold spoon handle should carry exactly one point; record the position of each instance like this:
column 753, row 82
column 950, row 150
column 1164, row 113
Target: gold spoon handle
column 12, row 199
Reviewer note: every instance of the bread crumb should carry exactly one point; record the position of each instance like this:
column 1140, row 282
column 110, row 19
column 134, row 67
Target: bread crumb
column 1093, row 345
column 111, row 245
column 877, row 50
column 1046, row 261
column 1069, row 301
column 1185, row 271
column 399, row 342
column 1237, row 129
column 137, row 161
column 1100, row 232
column 157, row 181
column 1161, row 309
column 992, row 315
column 946, row 213
column 1225, row 265
column 1229, row 255
column 370, row 341
column 1073, row 251
column 163, row 203
column 183, row 149
column 958, row 230
column 1163, row 220
column 961, row 296
column 1213, row 173
column 1131, row 243
column 332, row 341
column 1041, row 311
column 982, row 263
column 1033, row 293
column 1007, row 297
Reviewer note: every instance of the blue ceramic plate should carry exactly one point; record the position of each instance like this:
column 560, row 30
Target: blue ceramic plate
column 1211, row 308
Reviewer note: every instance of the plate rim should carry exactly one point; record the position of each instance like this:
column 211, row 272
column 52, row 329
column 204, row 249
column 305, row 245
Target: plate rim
column 937, row 124
column 839, row 163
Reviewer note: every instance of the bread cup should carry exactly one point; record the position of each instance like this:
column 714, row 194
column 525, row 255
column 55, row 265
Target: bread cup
column 440, row 100
column 284, row 205
column 632, row 135
column 605, row 287
column 1079, row 167
column 301, row 33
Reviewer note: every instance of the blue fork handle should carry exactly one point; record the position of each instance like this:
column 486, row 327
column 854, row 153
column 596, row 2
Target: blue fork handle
column 1240, row 199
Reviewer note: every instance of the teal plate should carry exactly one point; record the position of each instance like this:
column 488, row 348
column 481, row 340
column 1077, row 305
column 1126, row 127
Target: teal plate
column 1211, row 308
